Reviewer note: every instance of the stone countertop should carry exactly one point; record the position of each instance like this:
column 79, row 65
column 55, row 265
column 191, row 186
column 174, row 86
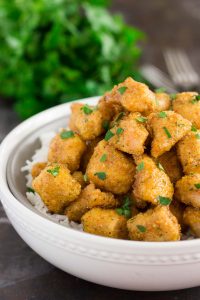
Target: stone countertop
column 26, row 276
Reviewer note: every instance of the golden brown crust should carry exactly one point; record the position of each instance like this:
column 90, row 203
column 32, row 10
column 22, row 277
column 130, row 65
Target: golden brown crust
column 191, row 218
column 37, row 168
column 163, row 101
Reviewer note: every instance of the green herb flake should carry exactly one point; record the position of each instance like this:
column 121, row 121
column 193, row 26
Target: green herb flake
column 197, row 185
column 119, row 131
column 105, row 125
column 195, row 99
column 197, row 135
column 162, row 114
column 103, row 158
column 141, row 228
column 86, row 109
column 122, row 89
column 172, row 96
column 66, row 134
column 164, row 200
column 160, row 90
column 120, row 116
column 193, row 128
column 141, row 119
column 119, row 211
column 140, row 167
column 54, row 171
column 101, row 175
column 160, row 167
column 30, row 190
column 109, row 135
column 85, row 177
column 167, row 132
column 125, row 210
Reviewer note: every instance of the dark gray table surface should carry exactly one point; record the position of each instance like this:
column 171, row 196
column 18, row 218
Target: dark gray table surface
column 25, row 275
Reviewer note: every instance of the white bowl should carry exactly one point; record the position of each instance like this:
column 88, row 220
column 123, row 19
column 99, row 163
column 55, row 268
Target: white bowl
column 132, row 265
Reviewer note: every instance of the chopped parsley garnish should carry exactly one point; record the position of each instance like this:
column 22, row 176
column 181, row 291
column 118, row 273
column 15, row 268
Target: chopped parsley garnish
column 119, row 131
column 164, row 200
column 85, row 178
column 167, row 132
column 109, row 135
column 66, row 134
column 105, row 125
column 160, row 90
column 160, row 167
column 30, row 190
column 101, row 175
column 173, row 96
column 86, row 109
column 141, row 228
column 197, row 136
column 122, row 89
column 141, row 119
column 195, row 99
column 140, row 167
column 193, row 128
column 197, row 185
column 162, row 114
column 54, row 171
column 125, row 210
column 103, row 158
column 118, row 118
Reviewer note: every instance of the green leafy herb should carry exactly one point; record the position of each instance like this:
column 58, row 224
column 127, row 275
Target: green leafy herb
column 167, row 132
column 87, row 110
column 101, row 175
column 195, row 99
column 173, row 96
column 30, row 190
column 119, row 117
column 162, row 114
column 119, row 131
column 193, row 128
column 197, row 135
column 85, row 177
column 164, row 200
column 125, row 210
column 140, row 166
column 197, row 185
column 160, row 167
column 103, row 158
column 109, row 135
column 122, row 89
column 66, row 134
column 160, row 90
column 141, row 228
column 54, row 171
column 141, row 119
column 106, row 125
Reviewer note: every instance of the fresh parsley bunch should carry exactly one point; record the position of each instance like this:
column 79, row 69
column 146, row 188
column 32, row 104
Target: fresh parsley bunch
column 54, row 51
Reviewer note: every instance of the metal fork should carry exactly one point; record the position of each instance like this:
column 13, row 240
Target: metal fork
column 181, row 69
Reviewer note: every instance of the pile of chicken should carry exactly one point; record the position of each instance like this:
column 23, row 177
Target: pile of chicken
column 128, row 168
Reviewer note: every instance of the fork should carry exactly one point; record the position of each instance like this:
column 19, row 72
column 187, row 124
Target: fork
column 181, row 69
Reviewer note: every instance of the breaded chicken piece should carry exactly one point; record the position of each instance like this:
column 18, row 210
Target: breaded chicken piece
column 188, row 151
column 135, row 96
column 170, row 163
column 105, row 222
column 109, row 106
column 167, row 128
column 191, row 218
column 151, row 183
column 187, row 105
column 177, row 208
column 67, row 148
column 187, row 190
column 37, row 168
column 89, row 198
column 155, row 225
column 56, row 187
column 129, row 134
column 110, row 169
column 88, row 152
column 78, row 175
column 86, row 120
column 163, row 101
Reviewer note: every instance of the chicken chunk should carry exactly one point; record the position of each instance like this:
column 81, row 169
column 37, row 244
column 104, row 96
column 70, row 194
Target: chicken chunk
column 105, row 222
column 191, row 218
column 187, row 104
column 56, row 187
column 171, row 165
column 187, row 190
column 67, row 148
column 155, row 225
column 188, row 150
column 109, row 106
column 129, row 134
column 78, row 175
column 89, row 198
column 110, row 169
column 167, row 128
column 88, row 153
column 135, row 96
column 86, row 120
column 151, row 184
column 37, row 168
column 163, row 102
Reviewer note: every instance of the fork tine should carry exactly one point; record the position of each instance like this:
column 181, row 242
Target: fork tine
column 172, row 66
column 187, row 66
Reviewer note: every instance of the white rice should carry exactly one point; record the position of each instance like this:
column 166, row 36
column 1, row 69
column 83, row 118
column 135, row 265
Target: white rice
column 41, row 156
